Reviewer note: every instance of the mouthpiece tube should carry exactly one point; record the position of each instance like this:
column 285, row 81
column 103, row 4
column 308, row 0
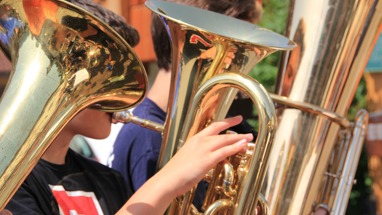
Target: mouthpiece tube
column 127, row 116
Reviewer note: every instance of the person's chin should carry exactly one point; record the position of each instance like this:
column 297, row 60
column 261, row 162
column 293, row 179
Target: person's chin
column 101, row 135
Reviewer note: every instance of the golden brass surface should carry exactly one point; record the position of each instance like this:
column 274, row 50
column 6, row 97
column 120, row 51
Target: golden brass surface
column 236, row 185
column 205, row 79
column 316, row 149
column 64, row 60
column 127, row 117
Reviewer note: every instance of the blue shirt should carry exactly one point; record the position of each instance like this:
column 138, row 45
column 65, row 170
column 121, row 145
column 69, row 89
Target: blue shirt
column 136, row 149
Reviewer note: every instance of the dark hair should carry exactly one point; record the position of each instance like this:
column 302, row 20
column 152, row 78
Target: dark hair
column 115, row 21
column 248, row 10
column 161, row 42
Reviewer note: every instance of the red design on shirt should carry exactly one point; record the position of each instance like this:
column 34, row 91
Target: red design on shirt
column 76, row 202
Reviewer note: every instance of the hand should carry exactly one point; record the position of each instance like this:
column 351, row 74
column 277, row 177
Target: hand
column 202, row 152
column 198, row 155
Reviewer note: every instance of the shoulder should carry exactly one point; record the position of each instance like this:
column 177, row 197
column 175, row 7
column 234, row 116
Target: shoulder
column 149, row 110
column 33, row 194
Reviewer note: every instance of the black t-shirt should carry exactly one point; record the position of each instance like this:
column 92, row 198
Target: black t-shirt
column 80, row 186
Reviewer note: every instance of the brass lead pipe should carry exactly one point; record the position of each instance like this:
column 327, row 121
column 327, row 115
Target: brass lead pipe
column 127, row 116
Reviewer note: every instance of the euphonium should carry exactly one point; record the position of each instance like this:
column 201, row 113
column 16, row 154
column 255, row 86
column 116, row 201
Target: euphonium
column 64, row 60
column 316, row 149
column 202, row 90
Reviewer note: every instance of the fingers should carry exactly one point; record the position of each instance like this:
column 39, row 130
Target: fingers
column 217, row 127
column 223, row 146
column 219, row 141
column 229, row 150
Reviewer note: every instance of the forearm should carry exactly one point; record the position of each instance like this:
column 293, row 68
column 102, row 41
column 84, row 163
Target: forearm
column 152, row 198
column 183, row 171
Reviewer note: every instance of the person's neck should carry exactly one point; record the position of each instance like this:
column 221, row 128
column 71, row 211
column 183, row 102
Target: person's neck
column 160, row 90
column 58, row 149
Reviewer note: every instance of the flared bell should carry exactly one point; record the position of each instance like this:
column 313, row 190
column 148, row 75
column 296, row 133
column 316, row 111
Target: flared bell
column 64, row 60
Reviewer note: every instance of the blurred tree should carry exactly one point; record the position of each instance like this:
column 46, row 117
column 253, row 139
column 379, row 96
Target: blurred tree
column 274, row 18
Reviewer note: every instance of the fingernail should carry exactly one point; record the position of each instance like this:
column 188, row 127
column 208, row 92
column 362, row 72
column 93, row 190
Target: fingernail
column 242, row 142
column 249, row 137
column 237, row 116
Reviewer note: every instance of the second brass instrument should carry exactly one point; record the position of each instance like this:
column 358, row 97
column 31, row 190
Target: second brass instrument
column 202, row 90
column 317, row 148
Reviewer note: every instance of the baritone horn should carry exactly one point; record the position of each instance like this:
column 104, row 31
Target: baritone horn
column 64, row 60
column 202, row 90
column 317, row 149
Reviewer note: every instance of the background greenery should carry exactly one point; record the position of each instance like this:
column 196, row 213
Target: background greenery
column 274, row 18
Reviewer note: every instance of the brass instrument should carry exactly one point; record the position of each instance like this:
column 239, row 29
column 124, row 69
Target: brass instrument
column 58, row 70
column 316, row 149
column 64, row 60
column 203, row 89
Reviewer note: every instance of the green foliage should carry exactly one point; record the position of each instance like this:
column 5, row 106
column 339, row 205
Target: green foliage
column 266, row 72
column 275, row 15
column 359, row 101
column 274, row 18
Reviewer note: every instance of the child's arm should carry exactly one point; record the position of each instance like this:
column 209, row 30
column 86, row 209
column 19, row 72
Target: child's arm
column 189, row 165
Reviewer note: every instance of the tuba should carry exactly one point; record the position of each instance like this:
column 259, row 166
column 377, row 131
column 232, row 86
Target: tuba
column 64, row 60
column 316, row 149
column 202, row 90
